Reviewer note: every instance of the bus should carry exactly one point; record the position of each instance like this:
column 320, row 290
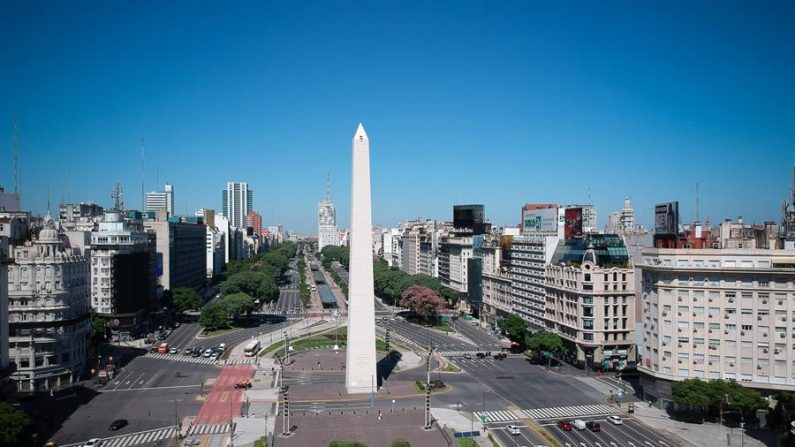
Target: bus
column 251, row 348
column 163, row 348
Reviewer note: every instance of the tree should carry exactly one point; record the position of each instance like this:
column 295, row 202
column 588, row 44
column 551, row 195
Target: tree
column 238, row 304
column 514, row 327
column 185, row 298
column 423, row 301
column 214, row 316
column 399, row 442
column 167, row 300
column 98, row 325
column 14, row 426
column 545, row 341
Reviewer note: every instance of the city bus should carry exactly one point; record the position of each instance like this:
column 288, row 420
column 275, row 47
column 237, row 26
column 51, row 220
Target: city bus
column 163, row 349
column 251, row 348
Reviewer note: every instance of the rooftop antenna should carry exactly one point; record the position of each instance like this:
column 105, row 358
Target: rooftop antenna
column 143, row 195
column 157, row 162
column 68, row 186
column 589, row 195
column 48, row 197
column 698, row 219
column 17, row 192
column 328, row 187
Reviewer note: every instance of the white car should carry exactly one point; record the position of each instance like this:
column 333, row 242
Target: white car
column 208, row 353
column 615, row 420
column 513, row 429
column 579, row 424
column 93, row 442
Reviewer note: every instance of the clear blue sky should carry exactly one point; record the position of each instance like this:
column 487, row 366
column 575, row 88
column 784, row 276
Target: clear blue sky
column 499, row 103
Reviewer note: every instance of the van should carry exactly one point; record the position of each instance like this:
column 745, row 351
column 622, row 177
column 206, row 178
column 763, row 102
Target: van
column 222, row 347
column 579, row 424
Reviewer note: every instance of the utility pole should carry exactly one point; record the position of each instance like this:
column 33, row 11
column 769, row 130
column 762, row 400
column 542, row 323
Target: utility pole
column 16, row 164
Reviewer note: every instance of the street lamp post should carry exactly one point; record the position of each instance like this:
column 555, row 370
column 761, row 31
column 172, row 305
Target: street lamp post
column 177, row 425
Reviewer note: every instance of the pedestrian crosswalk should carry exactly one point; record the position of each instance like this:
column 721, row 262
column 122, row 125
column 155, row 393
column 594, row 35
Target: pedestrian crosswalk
column 182, row 358
column 207, row 429
column 241, row 361
column 546, row 413
column 134, row 439
column 457, row 353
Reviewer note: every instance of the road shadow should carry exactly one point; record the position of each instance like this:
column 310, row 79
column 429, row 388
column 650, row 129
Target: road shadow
column 386, row 365
column 49, row 412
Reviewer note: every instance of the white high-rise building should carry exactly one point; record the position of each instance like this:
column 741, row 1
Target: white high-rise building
column 327, row 232
column 717, row 314
column 237, row 200
column 161, row 200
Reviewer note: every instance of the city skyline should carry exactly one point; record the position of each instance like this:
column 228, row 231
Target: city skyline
column 538, row 106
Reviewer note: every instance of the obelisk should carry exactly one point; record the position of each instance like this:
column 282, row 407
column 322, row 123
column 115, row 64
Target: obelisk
column 360, row 369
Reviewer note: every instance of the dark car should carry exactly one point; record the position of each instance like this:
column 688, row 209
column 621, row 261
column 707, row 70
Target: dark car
column 117, row 424
column 197, row 351
column 593, row 426
column 481, row 355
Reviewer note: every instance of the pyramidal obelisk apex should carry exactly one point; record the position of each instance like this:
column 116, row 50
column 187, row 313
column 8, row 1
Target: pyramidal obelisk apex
column 360, row 368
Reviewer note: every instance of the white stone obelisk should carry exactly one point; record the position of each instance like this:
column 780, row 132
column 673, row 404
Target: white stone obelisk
column 360, row 368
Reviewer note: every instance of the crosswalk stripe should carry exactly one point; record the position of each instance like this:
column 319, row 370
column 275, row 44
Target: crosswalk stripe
column 547, row 413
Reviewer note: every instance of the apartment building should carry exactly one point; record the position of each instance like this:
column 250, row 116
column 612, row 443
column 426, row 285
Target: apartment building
column 590, row 300
column 717, row 314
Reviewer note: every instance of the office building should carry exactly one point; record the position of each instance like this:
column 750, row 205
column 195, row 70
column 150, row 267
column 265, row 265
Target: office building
column 717, row 314
column 623, row 221
column 70, row 214
column 160, row 200
column 419, row 246
column 589, row 217
column 123, row 272
column 590, row 301
column 788, row 217
column 496, row 286
column 5, row 260
column 48, row 312
column 15, row 225
column 254, row 221
column 8, row 201
column 237, row 201
column 181, row 251
column 457, row 247
column 327, row 231
column 738, row 234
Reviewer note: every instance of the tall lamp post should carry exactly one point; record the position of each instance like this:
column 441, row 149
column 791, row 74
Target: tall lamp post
column 428, row 391
column 177, row 425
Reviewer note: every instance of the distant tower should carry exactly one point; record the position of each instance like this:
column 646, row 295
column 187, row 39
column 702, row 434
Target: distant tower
column 17, row 192
column 237, row 201
column 327, row 232
column 118, row 201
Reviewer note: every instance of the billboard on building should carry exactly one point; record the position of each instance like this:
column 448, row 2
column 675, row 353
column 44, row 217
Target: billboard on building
column 666, row 218
column 573, row 223
column 539, row 219
column 472, row 217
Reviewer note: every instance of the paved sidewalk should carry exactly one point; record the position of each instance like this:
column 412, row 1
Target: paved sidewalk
column 460, row 421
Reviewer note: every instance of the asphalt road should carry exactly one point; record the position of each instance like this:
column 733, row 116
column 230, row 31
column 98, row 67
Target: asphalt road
column 141, row 394
column 481, row 338
column 525, row 438
column 183, row 336
column 427, row 337
column 289, row 302
column 629, row 434
column 527, row 386
column 233, row 338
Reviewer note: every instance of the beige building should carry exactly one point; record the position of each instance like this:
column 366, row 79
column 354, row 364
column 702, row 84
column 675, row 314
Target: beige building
column 590, row 301
column 4, row 261
column 49, row 312
column 718, row 314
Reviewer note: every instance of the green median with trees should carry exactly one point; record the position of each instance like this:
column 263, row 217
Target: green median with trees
column 246, row 286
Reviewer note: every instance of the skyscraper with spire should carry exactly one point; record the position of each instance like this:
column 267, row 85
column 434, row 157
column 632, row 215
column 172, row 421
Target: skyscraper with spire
column 327, row 232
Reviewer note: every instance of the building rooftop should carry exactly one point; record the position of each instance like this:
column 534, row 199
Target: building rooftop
column 609, row 249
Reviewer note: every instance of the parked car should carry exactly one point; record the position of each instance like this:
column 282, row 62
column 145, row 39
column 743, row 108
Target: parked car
column 513, row 429
column 615, row 420
column 564, row 425
column 117, row 424
column 579, row 424
column 93, row 442
column 593, row 426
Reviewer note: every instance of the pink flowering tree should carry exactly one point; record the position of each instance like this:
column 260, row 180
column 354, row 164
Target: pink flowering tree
column 423, row 301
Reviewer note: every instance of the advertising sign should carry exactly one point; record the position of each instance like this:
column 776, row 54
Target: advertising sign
column 666, row 218
column 573, row 223
column 540, row 220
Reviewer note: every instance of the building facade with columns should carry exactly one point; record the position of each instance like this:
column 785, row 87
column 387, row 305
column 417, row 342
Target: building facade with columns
column 49, row 312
